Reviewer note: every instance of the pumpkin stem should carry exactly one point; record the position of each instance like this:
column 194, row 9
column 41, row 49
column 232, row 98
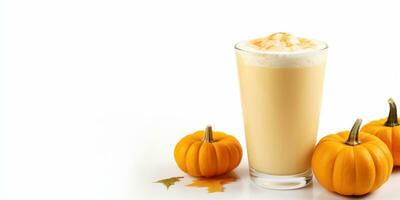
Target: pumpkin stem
column 392, row 118
column 353, row 136
column 208, row 134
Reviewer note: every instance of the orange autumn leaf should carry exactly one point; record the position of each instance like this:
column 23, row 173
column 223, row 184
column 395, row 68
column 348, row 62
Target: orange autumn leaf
column 169, row 181
column 215, row 184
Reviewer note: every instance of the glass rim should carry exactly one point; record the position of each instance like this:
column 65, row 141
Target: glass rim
column 255, row 51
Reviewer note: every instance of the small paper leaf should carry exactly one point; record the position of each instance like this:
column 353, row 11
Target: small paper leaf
column 169, row 181
column 215, row 184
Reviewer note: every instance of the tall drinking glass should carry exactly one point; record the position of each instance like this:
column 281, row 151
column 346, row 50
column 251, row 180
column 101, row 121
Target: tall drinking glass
column 281, row 98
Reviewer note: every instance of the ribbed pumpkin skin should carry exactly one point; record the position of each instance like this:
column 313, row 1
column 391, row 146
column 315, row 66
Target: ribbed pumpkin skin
column 204, row 159
column 351, row 170
column 389, row 135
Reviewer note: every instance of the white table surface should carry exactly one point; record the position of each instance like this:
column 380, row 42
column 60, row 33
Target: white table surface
column 120, row 160
column 245, row 189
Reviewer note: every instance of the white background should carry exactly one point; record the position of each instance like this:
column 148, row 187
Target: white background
column 95, row 94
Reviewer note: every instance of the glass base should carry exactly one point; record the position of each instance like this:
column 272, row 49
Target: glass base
column 277, row 182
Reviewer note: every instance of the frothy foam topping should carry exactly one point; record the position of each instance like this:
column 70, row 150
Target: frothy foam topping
column 282, row 50
column 283, row 42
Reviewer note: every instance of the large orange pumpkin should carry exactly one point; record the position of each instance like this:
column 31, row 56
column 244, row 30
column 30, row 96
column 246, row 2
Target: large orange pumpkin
column 207, row 153
column 388, row 130
column 352, row 163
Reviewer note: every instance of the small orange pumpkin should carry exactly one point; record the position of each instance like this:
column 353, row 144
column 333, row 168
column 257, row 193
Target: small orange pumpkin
column 388, row 130
column 207, row 153
column 352, row 163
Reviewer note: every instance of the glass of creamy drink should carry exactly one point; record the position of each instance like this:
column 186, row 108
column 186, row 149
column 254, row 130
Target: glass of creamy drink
column 281, row 79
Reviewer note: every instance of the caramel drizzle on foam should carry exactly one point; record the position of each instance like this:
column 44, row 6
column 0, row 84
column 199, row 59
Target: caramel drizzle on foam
column 282, row 42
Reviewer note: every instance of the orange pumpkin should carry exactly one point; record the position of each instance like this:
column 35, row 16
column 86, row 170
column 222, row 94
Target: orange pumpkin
column 352, row 163
column 388, row 130
column 207, row 153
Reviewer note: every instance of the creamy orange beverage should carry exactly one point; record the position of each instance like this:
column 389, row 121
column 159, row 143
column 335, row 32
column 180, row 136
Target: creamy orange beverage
column 281, row 80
